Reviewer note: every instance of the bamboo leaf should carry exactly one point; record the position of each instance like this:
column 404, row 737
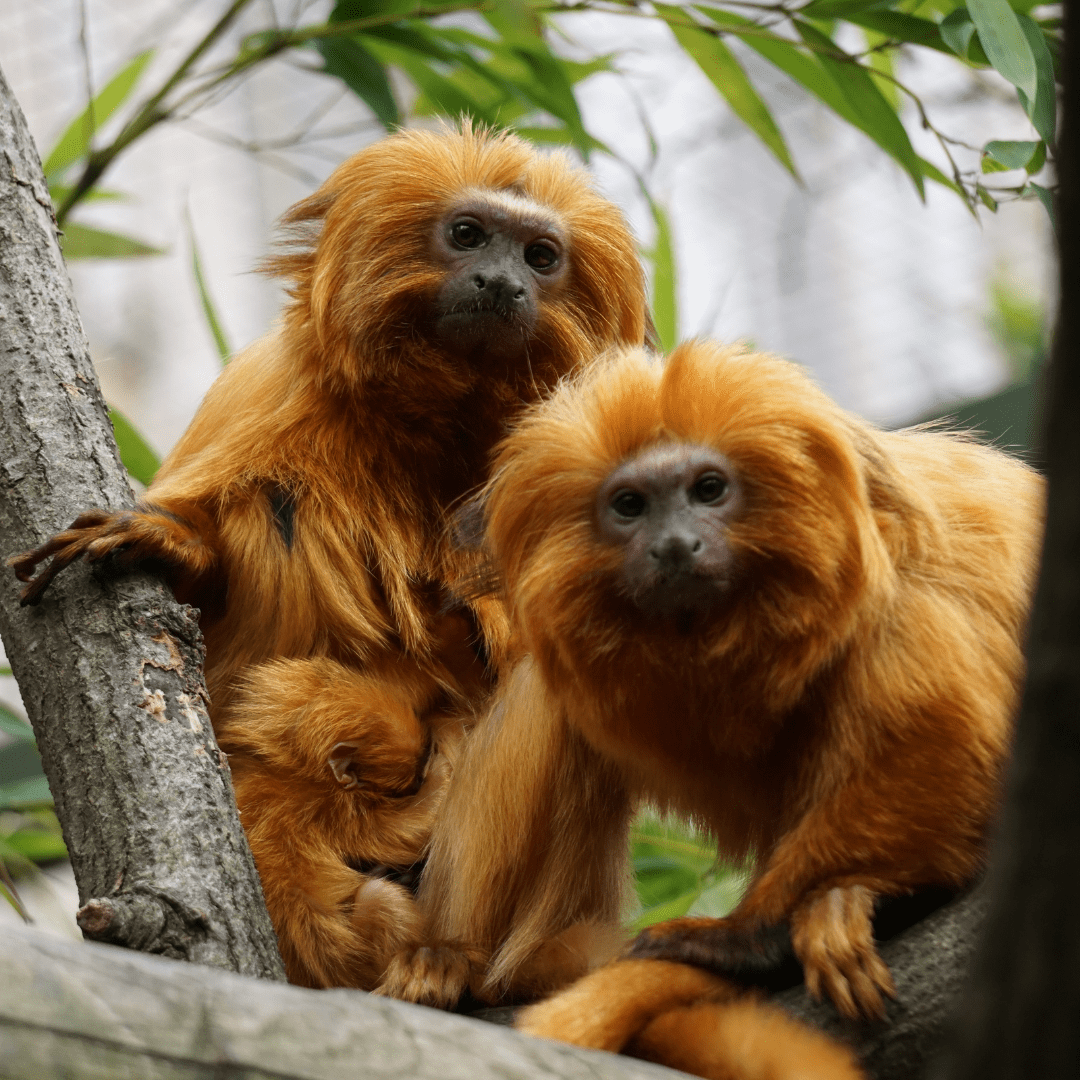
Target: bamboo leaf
column 23, row 794
column 1005, row 43
column 348, row 60
column 901, row 27
column 85, row 242
column 840, row 9
column 37, row 845
column 957, row 30
column 664, row 295
column 14, row 725
column 209, row 311
column 75, row 141
column 718, row 63
column 1007, row 155
column 1043, row 108
column 670, row 909
column 875, row 115
column 138, row 458
column 1047, row 199
column 805, row 69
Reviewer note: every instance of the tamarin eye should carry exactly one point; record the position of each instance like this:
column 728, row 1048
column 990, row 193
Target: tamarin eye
column 710, row 488
column 541, row 256
column 467, row 235
column 628, row 504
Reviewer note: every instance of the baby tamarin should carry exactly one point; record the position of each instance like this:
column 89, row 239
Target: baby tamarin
column 750, row 607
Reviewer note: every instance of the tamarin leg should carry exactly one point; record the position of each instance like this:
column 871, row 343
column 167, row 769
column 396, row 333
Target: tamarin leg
column 183, row 539
column 332, row 766
column 809, row 888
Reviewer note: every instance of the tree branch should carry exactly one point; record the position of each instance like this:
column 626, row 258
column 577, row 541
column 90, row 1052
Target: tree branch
column 110, row 671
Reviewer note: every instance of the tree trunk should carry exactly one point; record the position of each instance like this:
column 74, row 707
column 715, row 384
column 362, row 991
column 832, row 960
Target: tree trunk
column 110, row 670
column 1021, row 1014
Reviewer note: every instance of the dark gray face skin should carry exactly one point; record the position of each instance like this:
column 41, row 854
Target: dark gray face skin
column 504, row 255
column 669, row 509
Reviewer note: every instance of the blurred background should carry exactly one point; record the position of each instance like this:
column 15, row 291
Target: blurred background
column 855, row 184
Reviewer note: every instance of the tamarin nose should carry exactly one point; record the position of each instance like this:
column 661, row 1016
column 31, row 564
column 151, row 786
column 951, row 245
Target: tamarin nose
column 674, row 552
column 500, row 288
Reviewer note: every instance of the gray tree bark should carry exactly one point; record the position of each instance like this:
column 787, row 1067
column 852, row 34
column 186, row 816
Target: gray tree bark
column 87, row 1012
column 110, row 671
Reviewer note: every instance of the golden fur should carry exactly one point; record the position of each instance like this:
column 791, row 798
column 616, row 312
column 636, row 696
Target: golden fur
column 842, row 715
column 305, row 511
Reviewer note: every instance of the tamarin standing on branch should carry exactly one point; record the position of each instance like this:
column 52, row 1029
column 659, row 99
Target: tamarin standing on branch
column 440, row 281
column 749, row 607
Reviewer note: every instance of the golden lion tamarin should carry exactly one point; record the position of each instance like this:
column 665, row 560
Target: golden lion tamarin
column 440, row 282
column 747, row 606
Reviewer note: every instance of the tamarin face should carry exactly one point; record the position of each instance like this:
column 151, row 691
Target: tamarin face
column 669, row 509
column 504, row 257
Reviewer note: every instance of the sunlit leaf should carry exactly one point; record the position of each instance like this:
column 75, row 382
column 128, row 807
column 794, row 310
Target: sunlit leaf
column 1005, row 43
column 1043, row 109
column 717, row 61
column 349, row 61
column 75, row 141
column 664, row 296
column 138, row 458
column 14, row 725
column 38, row 845
column 670, row 909
column 957, row 30
column 4, row 669
column 209, row 310
column 86, row 242
column 875, row 115
column 1038, row 160
column 33, row 791
column 1000, row 156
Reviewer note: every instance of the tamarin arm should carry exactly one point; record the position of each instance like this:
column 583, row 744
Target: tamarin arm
column 178, row 536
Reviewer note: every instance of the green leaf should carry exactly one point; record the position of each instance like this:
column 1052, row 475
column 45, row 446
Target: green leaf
column 209, row 311
column 85, row 242
column 670, row 909
column 14, row 725
column 986, row 198
column 34, row 791
column 873, row 114
column 1047, row 199
column 37, row 844
column 4, row 670
column 135, row 452
column 1002, row 156
column 957, row 30
column 59, row 192
column 901, row 27
column 717, row 61
column 664, row 295
column 1043, row 109
column 555, row 136
column 1005, row 43
column 1038, row 160
column 840, row 9
column 789, row 58
column 76, row 140
column 348, row 60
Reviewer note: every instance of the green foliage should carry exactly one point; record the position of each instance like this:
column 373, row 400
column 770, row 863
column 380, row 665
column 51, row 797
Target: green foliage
column 213, row 322
column 497, row 67
column 665, row 308
column 676, row 872
column 84, row 242
column 138, row 458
